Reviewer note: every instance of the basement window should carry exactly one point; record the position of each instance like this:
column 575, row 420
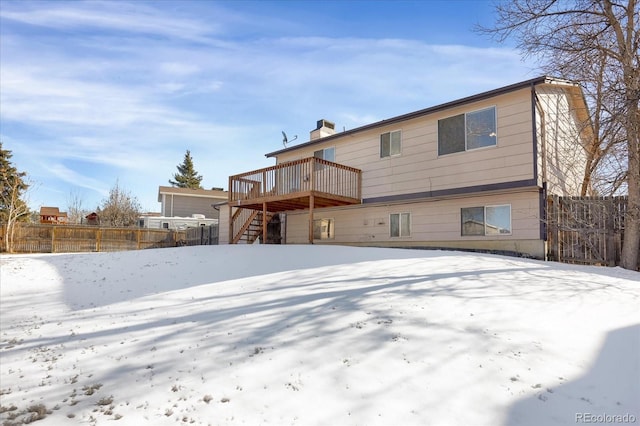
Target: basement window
column 400, row 225
column 485, row 221
column 323, row 229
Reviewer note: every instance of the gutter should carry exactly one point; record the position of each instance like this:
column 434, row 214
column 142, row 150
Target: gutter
column 419, row 113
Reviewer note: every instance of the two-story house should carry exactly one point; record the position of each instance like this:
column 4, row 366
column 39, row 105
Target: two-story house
column 472, row 174
column 185, row 202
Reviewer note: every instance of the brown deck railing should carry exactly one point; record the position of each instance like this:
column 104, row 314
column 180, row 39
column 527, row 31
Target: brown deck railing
column 295, row 177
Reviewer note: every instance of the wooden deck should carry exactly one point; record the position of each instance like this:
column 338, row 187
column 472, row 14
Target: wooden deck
column 292, row 186
column 304, row 184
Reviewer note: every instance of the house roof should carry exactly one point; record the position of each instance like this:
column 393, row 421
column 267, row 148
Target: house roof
column 52, row 211
column 199, row 193
column 480, row 96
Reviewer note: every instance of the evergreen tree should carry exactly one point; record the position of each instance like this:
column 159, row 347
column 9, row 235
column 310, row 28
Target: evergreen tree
column 12, row 189
column 187, row 177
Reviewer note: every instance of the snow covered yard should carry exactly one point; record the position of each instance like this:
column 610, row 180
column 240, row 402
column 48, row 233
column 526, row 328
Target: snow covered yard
column 315, row 335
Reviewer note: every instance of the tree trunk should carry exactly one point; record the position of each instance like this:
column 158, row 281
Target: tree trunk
column 631, row 246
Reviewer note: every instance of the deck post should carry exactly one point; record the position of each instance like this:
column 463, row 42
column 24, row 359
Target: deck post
column 230, row 238
column 264, row 223
column 311, row 201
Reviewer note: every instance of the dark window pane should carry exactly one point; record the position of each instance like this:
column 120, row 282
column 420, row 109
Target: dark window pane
column 451, row 135
column 385, row 145
column 472, row 221
column 394, row 225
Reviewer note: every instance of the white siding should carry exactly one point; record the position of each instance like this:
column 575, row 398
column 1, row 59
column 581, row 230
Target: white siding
column 419, row 168
column 223, row 225
column 559, row 142
column 433, row 224
column 185, row 206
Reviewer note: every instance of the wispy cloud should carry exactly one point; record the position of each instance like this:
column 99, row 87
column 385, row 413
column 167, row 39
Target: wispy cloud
column 134, row 17
column 74, row 178
column 132, row 85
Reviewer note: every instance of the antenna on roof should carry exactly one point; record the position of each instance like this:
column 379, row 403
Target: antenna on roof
column 285, row 140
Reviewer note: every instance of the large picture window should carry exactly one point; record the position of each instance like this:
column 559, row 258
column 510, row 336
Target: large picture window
column 390, row 144
column 487, row 220
column 468, row 131
column 400, row 224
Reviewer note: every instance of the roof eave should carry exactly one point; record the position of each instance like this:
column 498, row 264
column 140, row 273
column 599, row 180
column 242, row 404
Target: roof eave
column 484, row 95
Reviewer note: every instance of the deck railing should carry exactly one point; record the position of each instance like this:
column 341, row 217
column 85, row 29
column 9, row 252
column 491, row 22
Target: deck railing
column 299, row 176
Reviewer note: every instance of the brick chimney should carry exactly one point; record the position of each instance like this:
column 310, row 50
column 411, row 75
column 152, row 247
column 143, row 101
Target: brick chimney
column 323, row 129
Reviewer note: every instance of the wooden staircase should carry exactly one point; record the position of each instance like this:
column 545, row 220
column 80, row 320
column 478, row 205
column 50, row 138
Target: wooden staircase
column 248, row 224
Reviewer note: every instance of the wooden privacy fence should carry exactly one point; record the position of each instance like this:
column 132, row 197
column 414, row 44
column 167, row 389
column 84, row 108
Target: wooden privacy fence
column 586, row 230
column 201, row 236
column 39, row 238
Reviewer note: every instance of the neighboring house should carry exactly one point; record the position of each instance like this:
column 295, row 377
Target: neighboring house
column 184, row 202
column 469, row 174
column 53, row 215
column 92, row 219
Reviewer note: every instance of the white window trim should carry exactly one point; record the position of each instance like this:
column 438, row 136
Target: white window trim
column 400, row 225
column 485, row 221
column 390, row 155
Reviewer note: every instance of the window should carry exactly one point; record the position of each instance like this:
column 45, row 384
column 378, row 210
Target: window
column 323, row 229
column 488, row 220
column 400, row 224
column 165, row 225
column 328, row 154
column 468, row 131
column 390, row 144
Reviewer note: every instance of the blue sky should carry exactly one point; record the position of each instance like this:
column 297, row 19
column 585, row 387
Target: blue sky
column 94, row 93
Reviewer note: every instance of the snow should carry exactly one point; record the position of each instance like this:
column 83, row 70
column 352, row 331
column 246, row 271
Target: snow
column 316, row 335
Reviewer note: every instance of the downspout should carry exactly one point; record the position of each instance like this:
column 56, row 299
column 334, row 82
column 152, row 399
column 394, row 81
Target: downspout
column 543, row 154
column 543, row 141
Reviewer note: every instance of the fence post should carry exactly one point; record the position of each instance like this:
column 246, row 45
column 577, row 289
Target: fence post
column 552, row 227
column 138, row 239
column 98, row 237
column 53, row 239
column 610, row 240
